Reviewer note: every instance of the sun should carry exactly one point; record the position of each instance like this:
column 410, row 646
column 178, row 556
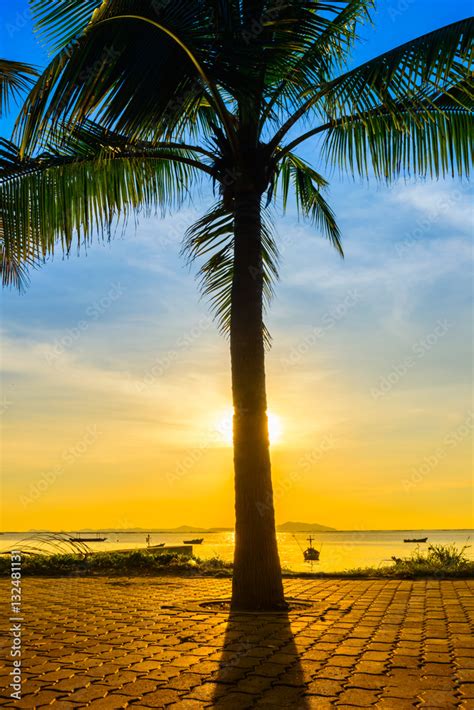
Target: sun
column 224, row 427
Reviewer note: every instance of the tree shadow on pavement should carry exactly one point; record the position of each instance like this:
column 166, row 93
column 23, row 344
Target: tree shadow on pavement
column 260, row 666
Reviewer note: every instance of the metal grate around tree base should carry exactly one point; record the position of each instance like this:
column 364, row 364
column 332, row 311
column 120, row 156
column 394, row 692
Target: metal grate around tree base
column 300, row 607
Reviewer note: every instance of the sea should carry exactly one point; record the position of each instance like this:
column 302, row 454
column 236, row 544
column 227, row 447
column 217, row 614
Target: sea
column 340, row 550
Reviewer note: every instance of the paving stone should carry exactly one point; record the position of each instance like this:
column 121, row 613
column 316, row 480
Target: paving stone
column 56, row 675
column 370, row 667
column 365, row 680
column 438, row 698
column 138, row 687
column 333, row 673
column 344, row 661
column 281, row 695
column 44, row 697
column 67, row 684
column 395, row 704
column 87, row 695
column 312, row 702
column 467, row 690
column 234, row 701
column 206, row 692
column 110, row 702
column 358, row 697
column 321, row 686
column 256, row 685
column 184, row 681
column 159, row 698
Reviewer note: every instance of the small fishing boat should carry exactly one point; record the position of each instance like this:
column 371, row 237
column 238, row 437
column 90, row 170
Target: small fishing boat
column 195, row 541
column 87, row 539
column 311, row 554
column 415, row 539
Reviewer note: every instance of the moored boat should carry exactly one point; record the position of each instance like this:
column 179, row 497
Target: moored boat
column 87, row 539
column 311, row 554
column 415, row 539
column 195, row 541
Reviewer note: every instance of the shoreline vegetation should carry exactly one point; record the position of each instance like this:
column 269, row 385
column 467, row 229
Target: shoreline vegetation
column 438, row 562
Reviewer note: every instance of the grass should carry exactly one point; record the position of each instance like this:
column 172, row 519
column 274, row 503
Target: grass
column 139, row 562
column 439, row 562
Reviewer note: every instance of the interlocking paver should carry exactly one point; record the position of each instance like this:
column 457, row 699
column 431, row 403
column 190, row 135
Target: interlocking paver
column 358, row 697
column 104, row 643
column 110, row 702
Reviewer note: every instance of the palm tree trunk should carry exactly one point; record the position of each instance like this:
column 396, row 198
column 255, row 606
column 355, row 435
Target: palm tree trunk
column 257, row 582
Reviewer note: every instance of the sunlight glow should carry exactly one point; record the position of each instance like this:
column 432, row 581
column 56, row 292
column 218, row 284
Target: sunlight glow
column 224, row 427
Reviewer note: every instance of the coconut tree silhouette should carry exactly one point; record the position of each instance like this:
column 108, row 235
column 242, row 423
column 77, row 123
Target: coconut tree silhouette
column 144, row 98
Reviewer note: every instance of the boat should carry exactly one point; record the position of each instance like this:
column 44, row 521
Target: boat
column 87, row 539
column 195, row 541
column 311, row 554
column 415, row 539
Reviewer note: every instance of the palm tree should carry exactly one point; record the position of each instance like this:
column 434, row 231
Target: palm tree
column 145, row 98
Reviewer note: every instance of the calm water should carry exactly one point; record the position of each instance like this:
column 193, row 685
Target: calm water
column 339, row 550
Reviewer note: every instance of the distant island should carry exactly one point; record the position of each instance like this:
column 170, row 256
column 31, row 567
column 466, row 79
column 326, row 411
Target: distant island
column 289, row 527
column 303, row 527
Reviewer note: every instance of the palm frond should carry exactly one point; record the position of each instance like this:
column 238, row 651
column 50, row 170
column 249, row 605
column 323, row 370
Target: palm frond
column 212, row 238
column 308, row 185
column 331, row 48
column 435, row 61
column 15, row 78
column 435, row 144
column 58, row 28
column 14, row 269
column 405, row 75
column 123, row 71
column 76, row 190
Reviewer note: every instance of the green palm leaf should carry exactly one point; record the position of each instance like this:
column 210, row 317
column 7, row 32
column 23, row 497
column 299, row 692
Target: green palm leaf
column 405, row 76
column 212, row 238
column 310, row 202
column 438, row 144
column 73, row 191
column 15, row 78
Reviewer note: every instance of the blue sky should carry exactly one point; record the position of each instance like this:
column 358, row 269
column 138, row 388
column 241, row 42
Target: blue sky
column 371, row 354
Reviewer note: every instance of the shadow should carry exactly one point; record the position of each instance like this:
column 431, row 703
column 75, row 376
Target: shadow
column 260, row 665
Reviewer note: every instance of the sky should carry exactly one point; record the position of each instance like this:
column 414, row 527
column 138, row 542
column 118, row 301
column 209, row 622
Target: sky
column 116, row 384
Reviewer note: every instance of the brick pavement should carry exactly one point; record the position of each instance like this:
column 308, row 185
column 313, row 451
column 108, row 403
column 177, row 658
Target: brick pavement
column 108, row 643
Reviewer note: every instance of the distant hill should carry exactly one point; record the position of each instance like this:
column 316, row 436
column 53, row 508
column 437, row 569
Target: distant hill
column 187, row 529
column 182, row 529
column 303, row 527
